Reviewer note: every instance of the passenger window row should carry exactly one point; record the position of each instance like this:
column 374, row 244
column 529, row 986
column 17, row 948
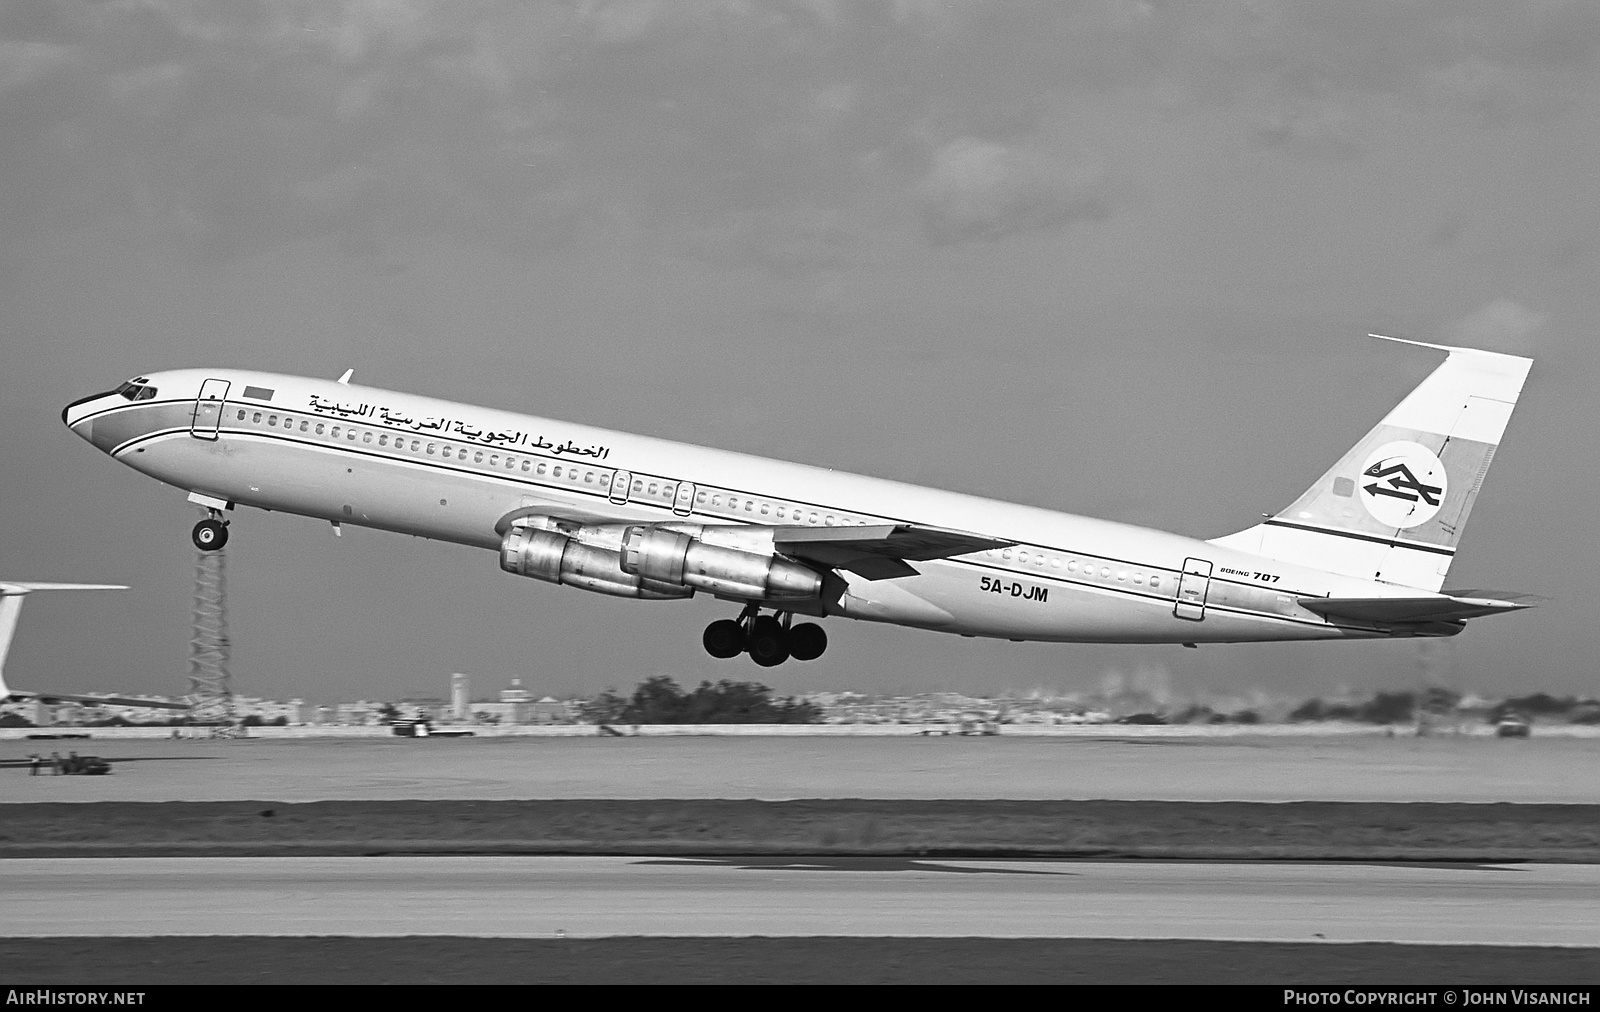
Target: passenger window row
column 1017, row 558
column 486, row 458
column 644, row 488
column 745, row 507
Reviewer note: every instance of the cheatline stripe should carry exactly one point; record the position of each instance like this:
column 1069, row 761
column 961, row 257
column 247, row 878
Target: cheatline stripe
column 434, row 465
column 1435, row 549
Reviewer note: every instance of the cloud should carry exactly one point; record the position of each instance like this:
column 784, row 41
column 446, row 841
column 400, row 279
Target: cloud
column 778, row 123
column 25, row 63
column 1312, row 126
column 980, row 189
column 1501, row 325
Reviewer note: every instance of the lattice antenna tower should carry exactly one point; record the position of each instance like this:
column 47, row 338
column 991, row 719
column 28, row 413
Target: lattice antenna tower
column 210, row 686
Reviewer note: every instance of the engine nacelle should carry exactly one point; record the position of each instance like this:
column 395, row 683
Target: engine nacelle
column 672, row 557
column 555, row 558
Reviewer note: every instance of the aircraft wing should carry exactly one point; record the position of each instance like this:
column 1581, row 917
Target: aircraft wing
column 1456, row 607
column 877, row 552
column 558, row 511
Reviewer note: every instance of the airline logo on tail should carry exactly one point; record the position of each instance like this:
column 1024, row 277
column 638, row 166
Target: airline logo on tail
column 1404, row 484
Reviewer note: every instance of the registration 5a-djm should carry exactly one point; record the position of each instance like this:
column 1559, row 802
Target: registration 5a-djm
column 1023, row 591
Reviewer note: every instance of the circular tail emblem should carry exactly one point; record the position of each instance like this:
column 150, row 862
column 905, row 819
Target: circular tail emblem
column 1403, row 484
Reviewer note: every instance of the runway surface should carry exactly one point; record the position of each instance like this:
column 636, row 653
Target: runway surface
column 1464, row 769
column 551, row 897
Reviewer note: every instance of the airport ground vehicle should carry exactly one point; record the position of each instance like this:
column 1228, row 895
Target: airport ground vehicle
column 424, row 728
column 1513, row 725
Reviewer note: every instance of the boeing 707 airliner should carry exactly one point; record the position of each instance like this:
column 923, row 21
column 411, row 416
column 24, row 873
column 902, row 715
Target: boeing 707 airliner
column 1362, row 554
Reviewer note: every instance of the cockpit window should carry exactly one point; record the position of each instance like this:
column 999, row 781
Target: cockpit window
column 137, row 389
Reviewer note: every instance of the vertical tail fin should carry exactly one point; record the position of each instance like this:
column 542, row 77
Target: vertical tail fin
column 10, row 611
column 11, row 595
column 1394, row 506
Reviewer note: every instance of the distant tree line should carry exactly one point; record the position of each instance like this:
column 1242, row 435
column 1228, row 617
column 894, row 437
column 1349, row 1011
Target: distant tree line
column 1205, row 715
column 1577, row 711
column 1400, row 707
column 1383, row 708
column 660, row 700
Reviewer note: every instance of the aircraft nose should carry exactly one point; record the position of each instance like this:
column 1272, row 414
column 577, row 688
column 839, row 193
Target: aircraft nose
column 73, row 413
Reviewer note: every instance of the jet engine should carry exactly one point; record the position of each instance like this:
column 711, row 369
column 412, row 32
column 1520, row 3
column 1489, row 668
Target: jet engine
column 672, row 558
column 555, row 558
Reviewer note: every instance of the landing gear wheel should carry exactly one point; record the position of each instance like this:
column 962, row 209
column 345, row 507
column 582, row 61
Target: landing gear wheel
column 724, row 638
column 807, row 641
column 769, row 642
column 210, row 535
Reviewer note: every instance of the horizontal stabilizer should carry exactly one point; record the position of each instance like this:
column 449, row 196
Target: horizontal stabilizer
column 1409, row 610
column 22, row 695
column 10, row 587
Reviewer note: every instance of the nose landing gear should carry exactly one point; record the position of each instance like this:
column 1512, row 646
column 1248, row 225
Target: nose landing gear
column 768, row 639
column 211, row 533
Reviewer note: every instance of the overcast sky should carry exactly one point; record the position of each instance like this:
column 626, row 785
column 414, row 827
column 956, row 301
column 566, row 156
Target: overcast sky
column 1109, row 258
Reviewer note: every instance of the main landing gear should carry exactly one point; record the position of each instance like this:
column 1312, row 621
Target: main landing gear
column 211, row 533
column 768, row 639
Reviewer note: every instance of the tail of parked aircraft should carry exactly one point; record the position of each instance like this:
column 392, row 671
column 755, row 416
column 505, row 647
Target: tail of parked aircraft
column 11, row 595
column 1393, row 507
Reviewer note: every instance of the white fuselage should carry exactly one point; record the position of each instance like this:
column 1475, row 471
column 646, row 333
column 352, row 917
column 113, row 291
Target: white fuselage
column 453, row 472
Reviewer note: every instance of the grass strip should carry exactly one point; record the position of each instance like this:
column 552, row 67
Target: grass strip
column 1104, row 829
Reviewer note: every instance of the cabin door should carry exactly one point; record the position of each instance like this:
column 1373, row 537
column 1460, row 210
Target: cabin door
column 620, row 481
column 683, row 502
column 208, row 409
column 1192, row 589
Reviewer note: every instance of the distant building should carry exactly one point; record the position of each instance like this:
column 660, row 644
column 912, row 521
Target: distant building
column 516, row 693
column 460, row 697
column 549, row 710
column 517, row 705
column 359, row 712
column 520, row 702
column 423, row 708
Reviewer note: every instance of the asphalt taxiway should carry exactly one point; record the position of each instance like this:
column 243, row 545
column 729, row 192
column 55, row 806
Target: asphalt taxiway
column 550, row 897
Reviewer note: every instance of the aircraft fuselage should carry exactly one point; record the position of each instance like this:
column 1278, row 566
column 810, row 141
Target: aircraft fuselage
column 367, row 457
